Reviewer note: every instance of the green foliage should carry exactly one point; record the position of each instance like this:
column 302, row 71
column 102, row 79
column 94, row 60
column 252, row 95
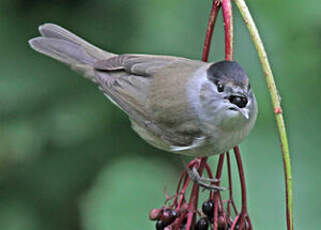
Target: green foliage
column 68, row 159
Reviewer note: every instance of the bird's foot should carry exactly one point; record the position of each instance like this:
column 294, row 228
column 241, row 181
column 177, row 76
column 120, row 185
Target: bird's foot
column 204, row 182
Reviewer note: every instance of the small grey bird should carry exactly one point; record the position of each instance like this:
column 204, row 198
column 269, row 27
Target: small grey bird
column 176, row 104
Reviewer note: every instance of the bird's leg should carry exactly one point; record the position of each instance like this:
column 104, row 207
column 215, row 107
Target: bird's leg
column 203, row 181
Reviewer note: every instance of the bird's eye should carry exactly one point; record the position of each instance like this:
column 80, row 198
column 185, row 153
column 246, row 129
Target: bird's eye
column 249, row 87
column 220, row 87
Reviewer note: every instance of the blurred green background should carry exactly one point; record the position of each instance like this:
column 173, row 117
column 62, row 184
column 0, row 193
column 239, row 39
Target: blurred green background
column 68, row 158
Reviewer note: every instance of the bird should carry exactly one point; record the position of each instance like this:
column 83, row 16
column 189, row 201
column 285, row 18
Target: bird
column 176, row 104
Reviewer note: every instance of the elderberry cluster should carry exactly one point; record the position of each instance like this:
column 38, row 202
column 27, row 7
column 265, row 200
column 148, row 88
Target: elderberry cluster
column 168, row 218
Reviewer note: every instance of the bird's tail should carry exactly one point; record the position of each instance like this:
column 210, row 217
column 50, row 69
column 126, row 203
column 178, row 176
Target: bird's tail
column 64, row 46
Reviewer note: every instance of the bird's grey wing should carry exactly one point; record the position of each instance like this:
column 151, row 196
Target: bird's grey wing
column 126, row 80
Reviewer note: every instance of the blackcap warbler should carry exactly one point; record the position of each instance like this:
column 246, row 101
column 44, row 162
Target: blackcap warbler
column 176, row 104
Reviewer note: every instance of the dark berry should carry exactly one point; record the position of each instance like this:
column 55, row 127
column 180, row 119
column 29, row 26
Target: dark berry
column 160, row 225
column 201, row 224
column 168, row 216
column 173, row 215
column 221, row 222
column 184, row 220
column 208, row 208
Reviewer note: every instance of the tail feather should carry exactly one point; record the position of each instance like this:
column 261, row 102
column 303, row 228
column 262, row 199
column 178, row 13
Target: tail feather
column 67, row 47
column 62, row 50
column 54, row 31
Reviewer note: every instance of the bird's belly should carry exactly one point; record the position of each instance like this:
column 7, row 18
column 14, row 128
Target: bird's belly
column 201, row 147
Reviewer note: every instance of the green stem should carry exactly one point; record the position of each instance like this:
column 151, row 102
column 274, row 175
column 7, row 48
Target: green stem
column 276, row 105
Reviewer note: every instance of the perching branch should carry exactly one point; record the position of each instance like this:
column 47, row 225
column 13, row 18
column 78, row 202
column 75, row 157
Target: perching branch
column 228, row 27
column 210, row 29
column 276, row 106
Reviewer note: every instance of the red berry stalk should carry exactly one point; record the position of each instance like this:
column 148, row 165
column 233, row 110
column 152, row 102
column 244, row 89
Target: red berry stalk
column 242, row 220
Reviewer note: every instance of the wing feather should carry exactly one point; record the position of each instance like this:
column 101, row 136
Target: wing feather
column 126, row 80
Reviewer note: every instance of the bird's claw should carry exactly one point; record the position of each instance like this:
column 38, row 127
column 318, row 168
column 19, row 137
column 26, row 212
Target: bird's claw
column 204, row 182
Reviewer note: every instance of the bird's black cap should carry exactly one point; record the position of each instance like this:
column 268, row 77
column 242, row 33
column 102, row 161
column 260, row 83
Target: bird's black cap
column 225, row 71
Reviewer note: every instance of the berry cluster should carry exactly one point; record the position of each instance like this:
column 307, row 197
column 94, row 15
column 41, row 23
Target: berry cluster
column 170, row 219
column 215, row 213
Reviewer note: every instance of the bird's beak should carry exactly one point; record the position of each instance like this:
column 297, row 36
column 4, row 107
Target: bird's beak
column 245, row 113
